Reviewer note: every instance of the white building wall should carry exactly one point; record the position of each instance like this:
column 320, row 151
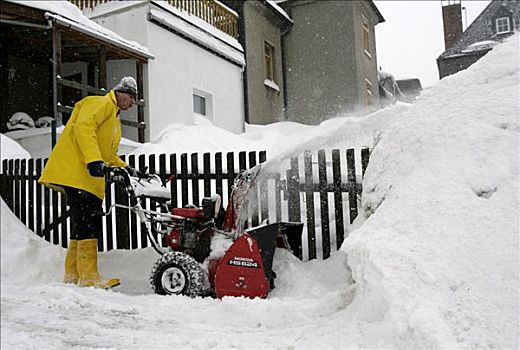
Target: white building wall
column 180, row 67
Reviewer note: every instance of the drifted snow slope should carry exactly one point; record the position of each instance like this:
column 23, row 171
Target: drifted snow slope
column 435, row 261
column 439, row 255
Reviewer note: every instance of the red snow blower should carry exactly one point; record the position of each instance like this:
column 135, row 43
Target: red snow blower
column 206, row 250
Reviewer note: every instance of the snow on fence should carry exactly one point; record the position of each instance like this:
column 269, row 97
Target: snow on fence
column 321, row 191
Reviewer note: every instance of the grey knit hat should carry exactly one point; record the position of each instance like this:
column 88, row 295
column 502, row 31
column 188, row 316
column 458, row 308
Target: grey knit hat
column 127, row 85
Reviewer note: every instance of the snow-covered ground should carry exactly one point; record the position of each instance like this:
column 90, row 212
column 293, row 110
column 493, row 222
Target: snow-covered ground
column 435, row 257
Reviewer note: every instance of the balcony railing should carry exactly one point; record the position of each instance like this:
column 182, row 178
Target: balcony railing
column 211, row 11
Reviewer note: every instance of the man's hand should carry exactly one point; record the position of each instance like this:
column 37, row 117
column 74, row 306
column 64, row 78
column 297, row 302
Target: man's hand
column 96, row 168
column 133, row 172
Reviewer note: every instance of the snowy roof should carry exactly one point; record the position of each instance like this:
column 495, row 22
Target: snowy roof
column 480, row 45
column 480, row 30
column 277, row 8
column 67, row 14
column 275, row 4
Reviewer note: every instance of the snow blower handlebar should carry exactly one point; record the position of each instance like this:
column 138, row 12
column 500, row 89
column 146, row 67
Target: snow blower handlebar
column 121, row 176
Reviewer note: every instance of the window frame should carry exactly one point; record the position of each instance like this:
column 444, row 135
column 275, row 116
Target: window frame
column 208, row 101
column 369, row 94
column 365, row 32
column 497, row 25
column 203, row 98
column 269, row 51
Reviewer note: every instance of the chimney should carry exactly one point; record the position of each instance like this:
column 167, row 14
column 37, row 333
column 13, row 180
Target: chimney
column 452, row 19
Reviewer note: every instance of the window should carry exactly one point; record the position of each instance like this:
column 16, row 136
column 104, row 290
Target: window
column 199, row 104
column 369, row 94
column 503, row 25
column 269, row 61
column 366, row 37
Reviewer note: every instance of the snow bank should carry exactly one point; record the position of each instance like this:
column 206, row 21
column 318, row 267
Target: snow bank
column 10, row 149
column 437, row 257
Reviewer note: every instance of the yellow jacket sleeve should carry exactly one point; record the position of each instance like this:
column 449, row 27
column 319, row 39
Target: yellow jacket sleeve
column 116, row 161
column 85, row 130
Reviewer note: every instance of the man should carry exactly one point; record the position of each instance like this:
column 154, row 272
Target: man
column 75, row 167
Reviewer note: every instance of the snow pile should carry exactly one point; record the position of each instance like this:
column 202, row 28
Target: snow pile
column 10, row 149
column 435, row 259
column 280, row 140
column 21, row 248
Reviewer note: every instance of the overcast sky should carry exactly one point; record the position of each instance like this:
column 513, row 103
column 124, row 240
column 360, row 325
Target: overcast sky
column 412, row 37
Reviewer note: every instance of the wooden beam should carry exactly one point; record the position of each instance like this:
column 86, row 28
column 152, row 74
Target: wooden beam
column 56, row 89
column 102, row 74
column 82, row 87
column 14, row 11
column 140, row 108
column 140, row 126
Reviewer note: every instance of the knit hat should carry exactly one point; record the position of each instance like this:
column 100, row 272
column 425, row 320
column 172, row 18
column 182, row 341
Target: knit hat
column 127, row 85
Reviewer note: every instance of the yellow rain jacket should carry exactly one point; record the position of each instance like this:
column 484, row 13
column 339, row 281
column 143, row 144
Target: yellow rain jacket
column 92, row 133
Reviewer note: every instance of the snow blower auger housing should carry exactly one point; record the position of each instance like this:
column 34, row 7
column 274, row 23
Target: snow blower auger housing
column 206, row 250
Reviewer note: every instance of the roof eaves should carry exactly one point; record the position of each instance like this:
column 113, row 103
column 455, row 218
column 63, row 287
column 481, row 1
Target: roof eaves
column 380, row 17
column 63, row 21
column 278, row 11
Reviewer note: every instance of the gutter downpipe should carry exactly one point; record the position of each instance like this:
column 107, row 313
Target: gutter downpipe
column 284, row 70
column 242, row 35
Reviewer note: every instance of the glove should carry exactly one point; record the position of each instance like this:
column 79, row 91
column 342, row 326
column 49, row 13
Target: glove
column 96, row 168
column 133, row 172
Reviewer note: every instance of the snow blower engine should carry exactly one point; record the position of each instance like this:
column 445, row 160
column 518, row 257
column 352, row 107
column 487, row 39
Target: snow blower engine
column 206, row 250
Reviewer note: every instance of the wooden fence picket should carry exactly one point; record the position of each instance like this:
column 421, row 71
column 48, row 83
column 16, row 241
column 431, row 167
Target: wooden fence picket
column 338, row 197
column 218, row 174
column 30, row 190
column 47, row 208
column 195, row 181
column 207, row 174
column 23, row 192
column 324, row 204
column 352, row 193
column 309, row 204
column 17, row 187
column 39, row 203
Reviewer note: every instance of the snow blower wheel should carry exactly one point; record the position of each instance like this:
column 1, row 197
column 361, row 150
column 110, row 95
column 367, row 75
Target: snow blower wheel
column 176, row 273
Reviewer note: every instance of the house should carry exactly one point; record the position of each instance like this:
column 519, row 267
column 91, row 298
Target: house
column 330, row 58
column 198, row 65
column 262, row 25
column 307, row 60
column 50, row 57
column 496, row 22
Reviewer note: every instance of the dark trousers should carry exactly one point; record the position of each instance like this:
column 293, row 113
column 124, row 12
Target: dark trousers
column 86, row 211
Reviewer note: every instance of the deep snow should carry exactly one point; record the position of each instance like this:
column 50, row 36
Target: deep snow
column 435, row 257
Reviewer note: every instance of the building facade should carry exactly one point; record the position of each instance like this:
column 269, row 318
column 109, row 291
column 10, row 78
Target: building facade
column 308, row 60
column 330, row 59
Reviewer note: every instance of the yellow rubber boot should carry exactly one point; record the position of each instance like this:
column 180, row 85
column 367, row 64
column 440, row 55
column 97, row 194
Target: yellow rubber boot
column 71, row 271
column 87, row 266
